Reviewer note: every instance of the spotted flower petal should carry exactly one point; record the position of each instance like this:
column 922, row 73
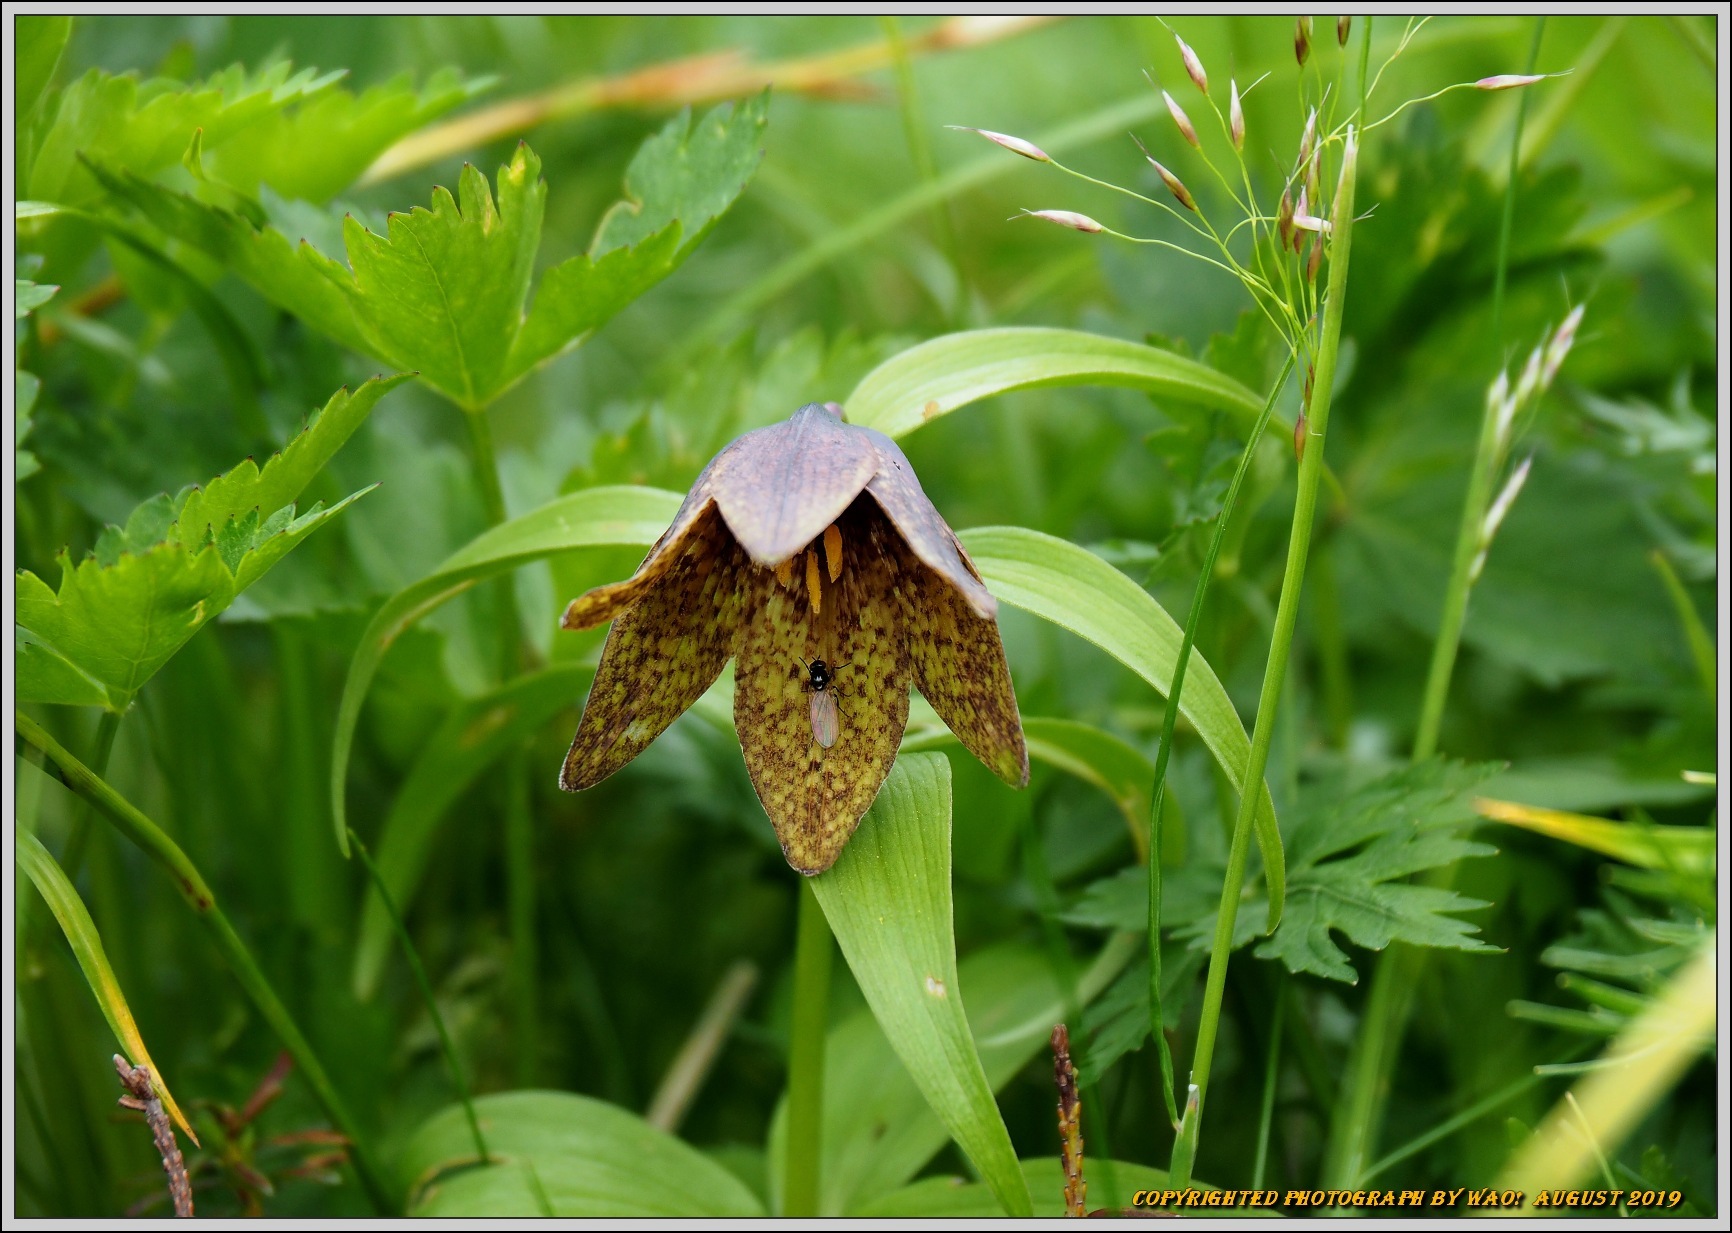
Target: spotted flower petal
column 662, row 653
column 815, row 796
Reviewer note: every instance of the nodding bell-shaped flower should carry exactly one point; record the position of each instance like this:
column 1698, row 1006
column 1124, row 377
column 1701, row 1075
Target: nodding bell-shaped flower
column 808, row 553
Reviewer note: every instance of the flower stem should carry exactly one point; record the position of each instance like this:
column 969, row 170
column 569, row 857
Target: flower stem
column 813, row 953
column 106, row 729
column 1286, row 615
column 1169, row 725
column 1365, row 1082
column 197, row 893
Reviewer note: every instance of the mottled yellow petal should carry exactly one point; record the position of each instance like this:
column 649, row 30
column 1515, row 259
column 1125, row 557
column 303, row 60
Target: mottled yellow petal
column 833, row 551
column 660, row 655
column 959, row 667
column 816, row 796
column 603, row 603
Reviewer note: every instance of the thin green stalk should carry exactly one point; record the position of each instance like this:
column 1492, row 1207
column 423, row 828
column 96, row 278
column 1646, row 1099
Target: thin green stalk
column 1271, row 1075
column 813, row 953
column 1695, row 633
column 1485, row 464
column 426, row 988
column 1169, row 726
column 197, row 893
column 520, row 896
column 106, row 729
column 1286, row 615
column 493, row 505
column 1365, row 1084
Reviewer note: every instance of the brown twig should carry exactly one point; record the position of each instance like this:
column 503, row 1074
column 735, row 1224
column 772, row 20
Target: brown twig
column 141, row 1095
column 706, row 77
column 1070, row 1140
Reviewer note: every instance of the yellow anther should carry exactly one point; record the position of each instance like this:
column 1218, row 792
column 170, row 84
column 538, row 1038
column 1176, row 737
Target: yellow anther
column 785, row 572
column 814, row 589
column 833, row 551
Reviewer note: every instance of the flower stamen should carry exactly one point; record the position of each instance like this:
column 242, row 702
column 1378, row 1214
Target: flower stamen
column 833, row 550
column 814, row 582
column 785, row 573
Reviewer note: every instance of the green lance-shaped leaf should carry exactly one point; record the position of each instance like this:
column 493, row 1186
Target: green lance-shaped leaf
column 559, row 1154
column 878, row 1129
column 597, row 517
column 29, row 296
column 1072, row 587
column 887, row 899
column 936, row 377
column 74, row 920
column 123, row 612
column 446, row 290
column 1096, row 756
column 471, row 738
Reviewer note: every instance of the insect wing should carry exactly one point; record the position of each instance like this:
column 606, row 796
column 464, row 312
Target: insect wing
column 826, row 725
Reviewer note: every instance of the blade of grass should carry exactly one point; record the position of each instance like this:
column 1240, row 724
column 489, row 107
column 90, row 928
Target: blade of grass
column 1695, row 633
column 165, row 852
column 1360, row 1109
column 1169, row 727
column 1286, row 615
column 432, row 1004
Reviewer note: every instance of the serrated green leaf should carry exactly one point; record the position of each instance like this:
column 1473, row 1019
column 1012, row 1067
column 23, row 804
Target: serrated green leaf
column 887, row 899
column 44, row 675
column 471, row 738
column 951, row 371
column 26, row 386
column 74, row 920
column 1070, row 586
column 320, row 148
column 1401, row 824
column 686, row 174
column 583, row 1157
column 41, row 40
column 29, row 296
column 446, row 290
column 148, row 587
column 144, row 127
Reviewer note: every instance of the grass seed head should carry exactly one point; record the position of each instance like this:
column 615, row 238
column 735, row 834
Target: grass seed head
column 1343, row 24
column 1066, row 218
column 1193, row 66
column 1016, row 145
column 1302, row 40
column 1186, row 130
column 1236, row 119
column 1508, row 81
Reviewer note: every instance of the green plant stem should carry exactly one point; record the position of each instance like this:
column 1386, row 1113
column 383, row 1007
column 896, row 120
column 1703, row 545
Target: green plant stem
column 813, row 953
column 1695, row 633
column 919, row 148
column 1271, row 1074
column 520, row 897
column 1366, row 1081
column 426, row 987
column 1169, row 726
column 1286, row 615
column 197, row 893
column 106, row 729
column 493, row 506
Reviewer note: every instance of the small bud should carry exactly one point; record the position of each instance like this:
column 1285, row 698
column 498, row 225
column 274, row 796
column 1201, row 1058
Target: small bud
column 1304, row 220
column 1528, row 384
column 1299, row 438
column 1508, row 81
column 1016, row 145
column 1302, row 40
column 1342, row 26
column 1284, row 219
column 1182, row 120
column 1316, row 261
column 1560, row 344
column 1307, row 137
column 1236, row 119
column 1349, row 163
column 1193, row 66
column 1499, row 508
column 1066, row 218
column 1175, row 186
